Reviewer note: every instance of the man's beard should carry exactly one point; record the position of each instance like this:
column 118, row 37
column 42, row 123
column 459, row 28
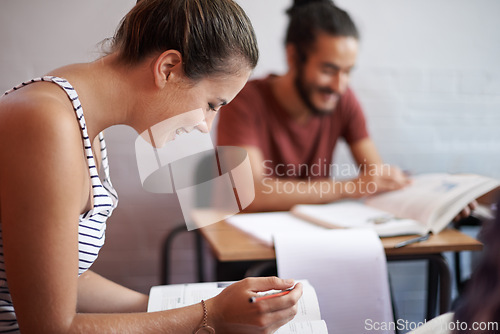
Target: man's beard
column 305, row 92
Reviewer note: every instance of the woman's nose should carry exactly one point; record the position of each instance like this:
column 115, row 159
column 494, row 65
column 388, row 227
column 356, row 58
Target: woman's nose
column 209, row 119
column 204, row 126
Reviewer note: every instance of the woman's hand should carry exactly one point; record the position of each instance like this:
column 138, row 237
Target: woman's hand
column 231, row 311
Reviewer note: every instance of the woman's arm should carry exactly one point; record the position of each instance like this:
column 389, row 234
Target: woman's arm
column 99, row 295
column 228, row 313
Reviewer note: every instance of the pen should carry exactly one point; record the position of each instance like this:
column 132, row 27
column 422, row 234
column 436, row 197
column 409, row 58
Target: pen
column 270, row 295
column 412, row 241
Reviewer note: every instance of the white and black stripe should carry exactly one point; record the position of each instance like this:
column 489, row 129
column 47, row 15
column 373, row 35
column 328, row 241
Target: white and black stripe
column 92, row 224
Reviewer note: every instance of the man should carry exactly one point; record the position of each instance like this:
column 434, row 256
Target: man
column 290, row 124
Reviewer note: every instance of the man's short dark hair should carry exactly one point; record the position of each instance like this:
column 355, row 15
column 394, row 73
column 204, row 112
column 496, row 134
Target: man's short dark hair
column 308, row 18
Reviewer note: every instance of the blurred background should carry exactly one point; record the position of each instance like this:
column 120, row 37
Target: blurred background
column 428, row 77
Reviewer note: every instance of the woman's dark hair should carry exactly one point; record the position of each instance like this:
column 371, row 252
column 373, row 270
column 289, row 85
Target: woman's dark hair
column 481, row 302
column 308, row 18
column 213, row 36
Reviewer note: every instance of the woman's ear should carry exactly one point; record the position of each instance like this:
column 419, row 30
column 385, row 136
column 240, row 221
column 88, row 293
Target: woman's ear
column 167, row 65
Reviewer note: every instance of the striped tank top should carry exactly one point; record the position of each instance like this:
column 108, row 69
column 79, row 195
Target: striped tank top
column 92, row 224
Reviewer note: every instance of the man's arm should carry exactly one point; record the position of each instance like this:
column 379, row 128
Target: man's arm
column 275, row 194
column 365, row 152
column 373, row 169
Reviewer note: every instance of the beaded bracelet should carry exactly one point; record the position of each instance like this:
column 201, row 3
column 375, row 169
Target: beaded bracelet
column 205, row 328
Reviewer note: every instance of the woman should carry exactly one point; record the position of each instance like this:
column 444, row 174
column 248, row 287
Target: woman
column 168, row 57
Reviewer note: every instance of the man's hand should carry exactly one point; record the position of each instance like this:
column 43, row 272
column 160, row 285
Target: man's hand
column 380, row 178
column 466, row 212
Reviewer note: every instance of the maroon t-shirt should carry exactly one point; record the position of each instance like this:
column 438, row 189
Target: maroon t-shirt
column 255, row 118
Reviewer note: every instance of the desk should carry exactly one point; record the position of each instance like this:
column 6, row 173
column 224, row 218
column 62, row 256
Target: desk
column 230, row 245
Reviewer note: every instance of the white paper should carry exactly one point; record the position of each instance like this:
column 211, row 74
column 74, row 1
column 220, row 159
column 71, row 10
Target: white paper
column 263, row 226
column 348, row 270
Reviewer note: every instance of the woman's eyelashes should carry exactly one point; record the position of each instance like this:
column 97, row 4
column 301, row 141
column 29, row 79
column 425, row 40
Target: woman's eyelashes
column 211, row 107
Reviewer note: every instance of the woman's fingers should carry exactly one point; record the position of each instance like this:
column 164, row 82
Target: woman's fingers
column 259, row 284
column 277, row 311
column 279, row 303
column 234, row 313
column 280, row 318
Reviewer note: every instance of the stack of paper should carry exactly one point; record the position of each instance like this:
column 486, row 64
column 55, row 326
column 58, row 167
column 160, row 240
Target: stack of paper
column 348, row 270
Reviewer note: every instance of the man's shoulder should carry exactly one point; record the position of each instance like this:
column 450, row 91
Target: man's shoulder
column 243, row 119
column 254, row 97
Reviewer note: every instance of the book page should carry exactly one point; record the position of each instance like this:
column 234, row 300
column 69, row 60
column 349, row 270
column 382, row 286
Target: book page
column 346, row 214
column 308, row 306
column 448, row 208
column 348, row 270
column 353, row 214
column 431, row 195
column 416, row 201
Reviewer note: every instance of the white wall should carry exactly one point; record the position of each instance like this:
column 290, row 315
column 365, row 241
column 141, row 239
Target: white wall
column 37, row 36
column 428, row 77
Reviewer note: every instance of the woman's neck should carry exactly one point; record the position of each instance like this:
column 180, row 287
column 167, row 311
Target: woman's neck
column 110, row 92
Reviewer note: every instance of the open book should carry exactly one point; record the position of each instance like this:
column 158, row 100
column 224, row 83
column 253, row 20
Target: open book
column 429, row 204
column 307, row 321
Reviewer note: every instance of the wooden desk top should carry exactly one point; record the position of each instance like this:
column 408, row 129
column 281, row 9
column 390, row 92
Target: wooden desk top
column 231, row 244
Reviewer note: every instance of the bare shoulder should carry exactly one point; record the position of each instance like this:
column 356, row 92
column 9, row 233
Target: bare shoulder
column 40, row 109
column 37, row 123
